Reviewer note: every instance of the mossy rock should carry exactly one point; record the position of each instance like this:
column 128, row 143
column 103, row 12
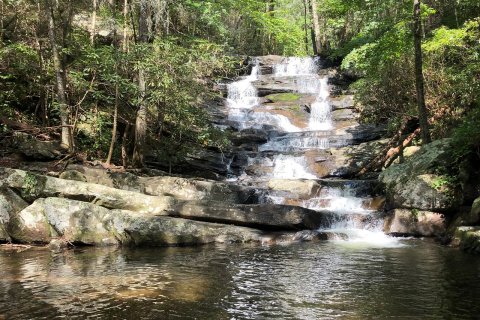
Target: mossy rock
column 283, row 97
column 468, row 239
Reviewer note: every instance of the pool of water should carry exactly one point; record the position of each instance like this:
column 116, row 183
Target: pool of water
column 325, row 280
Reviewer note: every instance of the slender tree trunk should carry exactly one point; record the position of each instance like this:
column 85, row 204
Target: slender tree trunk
column 60, row 79
column 422, row 109
column 2, row 14
column 115, row 110
column 305, row 24
column 125, row 26
column 93, row 27
column 316, row 27
column 141, row 120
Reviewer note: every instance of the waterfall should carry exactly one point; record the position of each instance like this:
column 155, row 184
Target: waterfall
column 295, row 66
column 287, row 154
column 321, row 118
column 242, row 96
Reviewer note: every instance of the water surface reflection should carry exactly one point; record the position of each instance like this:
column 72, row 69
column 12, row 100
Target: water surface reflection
column 302, row 281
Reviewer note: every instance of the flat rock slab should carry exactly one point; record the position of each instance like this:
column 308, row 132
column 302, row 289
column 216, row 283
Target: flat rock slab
column 86, row 223
column 261, row 216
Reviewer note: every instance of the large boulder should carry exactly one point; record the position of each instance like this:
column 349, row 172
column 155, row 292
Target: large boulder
column 467, row 238
column 38, row 186
column 36, row 149
column 415, row 184
column 141, row 230
column 407, row 222
column 10, row 204
column 474, row 217
column 85, row 223
column 30, row 225
column 261, row 216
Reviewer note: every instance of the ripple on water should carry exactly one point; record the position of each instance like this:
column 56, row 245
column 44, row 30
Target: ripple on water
column 301, row 281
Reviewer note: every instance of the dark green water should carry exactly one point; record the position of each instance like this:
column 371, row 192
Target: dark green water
column 302, row 281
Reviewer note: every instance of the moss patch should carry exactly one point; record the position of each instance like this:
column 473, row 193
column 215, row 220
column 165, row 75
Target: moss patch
column 283, row 97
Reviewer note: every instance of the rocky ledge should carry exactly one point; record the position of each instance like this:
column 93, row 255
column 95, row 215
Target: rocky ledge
column 37, row 208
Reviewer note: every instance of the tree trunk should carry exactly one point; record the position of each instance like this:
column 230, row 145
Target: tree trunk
column 60, row 80
column 115, row 110
column 422, row 109
column 305, row 24
column 141, row 120
column 125, row 26
column 316, row 27
column 93, row 27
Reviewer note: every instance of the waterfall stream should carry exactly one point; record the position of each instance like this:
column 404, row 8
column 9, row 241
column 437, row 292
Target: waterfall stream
column 287, row 153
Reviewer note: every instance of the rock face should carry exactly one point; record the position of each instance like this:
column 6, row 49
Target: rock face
column 10, row 204
column 407, row 222
column 415, row 185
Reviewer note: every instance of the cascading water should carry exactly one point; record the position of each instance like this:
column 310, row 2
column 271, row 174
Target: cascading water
column 285, row 154
column 242, row 96
column 321, row 117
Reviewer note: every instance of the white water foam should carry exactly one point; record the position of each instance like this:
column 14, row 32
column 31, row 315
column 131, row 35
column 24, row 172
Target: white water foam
column 296, row 143
column 352, row 231
column 290, row 167
column 294, row 66
column 242, row 94
column 341, row 201
column 321, row 113
column 259, row 119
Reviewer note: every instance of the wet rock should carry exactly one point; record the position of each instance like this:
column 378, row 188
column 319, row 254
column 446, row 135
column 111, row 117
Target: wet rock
column 57, row 245
column 415, row 185
column 260, row 216
column 36, row 149
column 255, row 136
column 267, row 62
column 407, row 222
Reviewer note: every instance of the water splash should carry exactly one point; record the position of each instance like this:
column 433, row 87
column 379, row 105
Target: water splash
column 341, row 201
column 289, row 167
